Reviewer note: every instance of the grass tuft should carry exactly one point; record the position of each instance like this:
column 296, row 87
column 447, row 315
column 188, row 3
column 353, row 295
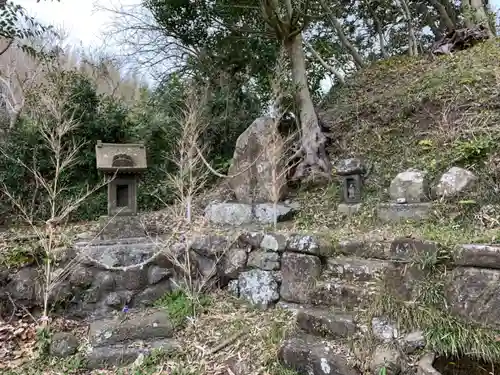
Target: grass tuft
column 445, row 334
column 181, row 306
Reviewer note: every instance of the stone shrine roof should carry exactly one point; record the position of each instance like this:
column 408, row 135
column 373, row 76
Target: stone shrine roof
column 123, row 157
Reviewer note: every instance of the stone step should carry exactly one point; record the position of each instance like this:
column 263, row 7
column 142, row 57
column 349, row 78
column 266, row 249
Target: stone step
column 356, row 269
column 119, row 254
column 131, row 326
column 311, row 355
column 345, row 295
column 118, row 241
column 126, row 353
column 325, row 322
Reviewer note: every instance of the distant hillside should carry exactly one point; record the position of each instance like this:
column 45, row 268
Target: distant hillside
column 426, row 113
column 19, row 69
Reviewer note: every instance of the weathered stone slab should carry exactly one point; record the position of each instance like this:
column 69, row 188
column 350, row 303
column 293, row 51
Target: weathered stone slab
column 157, row 274
column 477, row 255
column 153, row 293
column 303, row 244
column 349, row 209
column 229, row 213
column 115, row 227
column 299, row 275
column 363, row 249
column 474, row 294
column 258, row 287
column 118, row 254
column 232, row 263
column 403, row 249
column 252, row 239
column 356, row 269
column 117, row 241
column 325, row 322
column 210, row 244
column 274, row 242
column 132, row 279
column 63, row 344
column 265, row 260
column 406, row 249
column 154, row 324
column 411, row 186
column 339, row 294
column 403, row 280
column 394, row 212
column 264, row 213
column 124, row 354
column 310, row 355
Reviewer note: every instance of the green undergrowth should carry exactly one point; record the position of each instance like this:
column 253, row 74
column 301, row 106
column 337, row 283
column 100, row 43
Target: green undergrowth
column 446, row 334
column 449, row 223
column 181, row 305
column 425, row 113
column 461, row 220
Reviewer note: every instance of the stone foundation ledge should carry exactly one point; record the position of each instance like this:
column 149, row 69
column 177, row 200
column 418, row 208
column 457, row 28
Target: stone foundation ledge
column 395, row 212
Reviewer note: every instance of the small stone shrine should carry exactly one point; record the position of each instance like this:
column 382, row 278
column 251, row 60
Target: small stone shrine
column 122, row 163
column 351, row 172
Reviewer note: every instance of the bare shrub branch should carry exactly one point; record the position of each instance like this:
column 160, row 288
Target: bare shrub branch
column 190, row 176
column 55, row 126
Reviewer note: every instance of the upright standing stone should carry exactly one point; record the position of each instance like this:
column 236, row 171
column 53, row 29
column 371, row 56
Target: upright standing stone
column 410, row 186
column 455, row 182
column 253, row 163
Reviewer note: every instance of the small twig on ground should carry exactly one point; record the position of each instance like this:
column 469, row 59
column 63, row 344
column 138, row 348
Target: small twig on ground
column 228, row 341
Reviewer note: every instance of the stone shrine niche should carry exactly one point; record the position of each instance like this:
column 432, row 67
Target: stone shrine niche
column 124, row 162
column 351, row 172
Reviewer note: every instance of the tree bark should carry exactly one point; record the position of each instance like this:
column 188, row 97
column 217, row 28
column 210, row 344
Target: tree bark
column 412, row 40
column 343, row 39
column 445, row 17
column 378, row 27
column 475, row 12
column 315, row 158
column 325, row 65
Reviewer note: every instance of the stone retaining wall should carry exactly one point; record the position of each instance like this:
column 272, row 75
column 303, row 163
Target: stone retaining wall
column 265, row 269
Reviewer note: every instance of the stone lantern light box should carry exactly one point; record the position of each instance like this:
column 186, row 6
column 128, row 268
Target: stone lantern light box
column 125, row 162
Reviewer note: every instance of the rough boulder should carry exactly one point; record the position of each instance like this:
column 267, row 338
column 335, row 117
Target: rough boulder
column 253, row 163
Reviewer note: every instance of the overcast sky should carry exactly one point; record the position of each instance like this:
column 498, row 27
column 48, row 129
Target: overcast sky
column 81, row 20
column 78, row 17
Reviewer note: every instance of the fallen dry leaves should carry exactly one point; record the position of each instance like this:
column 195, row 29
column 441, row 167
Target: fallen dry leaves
column 18, row 338
column 17, row 342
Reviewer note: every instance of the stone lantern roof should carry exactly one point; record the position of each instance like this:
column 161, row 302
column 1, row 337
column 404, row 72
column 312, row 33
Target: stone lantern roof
column 122, row 158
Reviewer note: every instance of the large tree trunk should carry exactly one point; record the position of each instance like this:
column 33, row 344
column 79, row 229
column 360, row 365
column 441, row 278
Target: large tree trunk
column 476, row 13
column 315, row 158
column 412, row 40
column 445, row 17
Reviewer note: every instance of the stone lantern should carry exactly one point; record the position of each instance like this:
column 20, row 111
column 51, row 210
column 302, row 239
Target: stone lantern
column 124, row 163
column 351, row 172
